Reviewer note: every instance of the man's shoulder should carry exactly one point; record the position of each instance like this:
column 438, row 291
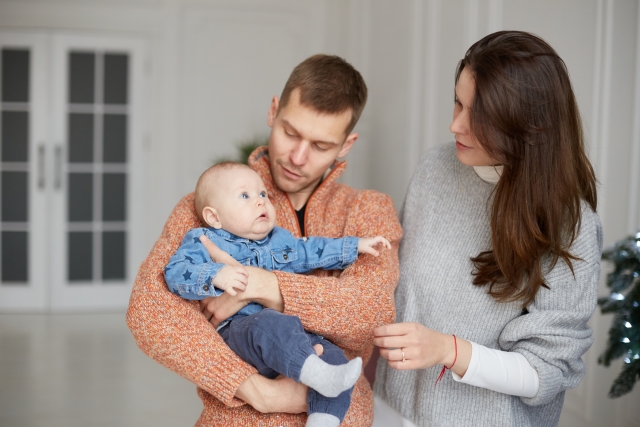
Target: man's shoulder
column 357, row 203
column 345, row 192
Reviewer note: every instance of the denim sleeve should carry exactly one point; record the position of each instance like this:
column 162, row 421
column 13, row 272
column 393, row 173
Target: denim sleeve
column 325, row 253
column 190, row 270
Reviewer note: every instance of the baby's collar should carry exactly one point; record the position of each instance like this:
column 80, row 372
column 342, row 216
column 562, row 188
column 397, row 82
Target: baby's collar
column 232, row 237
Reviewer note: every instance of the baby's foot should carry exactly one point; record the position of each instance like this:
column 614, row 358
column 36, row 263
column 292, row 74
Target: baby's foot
column 330, row 380
column 318, row 419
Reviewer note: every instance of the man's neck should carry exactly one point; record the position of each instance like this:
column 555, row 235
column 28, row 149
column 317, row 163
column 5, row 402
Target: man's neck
column 298, row 200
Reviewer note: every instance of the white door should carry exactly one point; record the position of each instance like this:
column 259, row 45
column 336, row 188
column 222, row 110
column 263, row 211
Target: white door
column 71, row 204
column 24, row 202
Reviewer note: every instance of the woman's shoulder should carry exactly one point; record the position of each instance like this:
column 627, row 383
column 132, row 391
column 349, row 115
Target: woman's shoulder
column 589, row 236
column 441, row 155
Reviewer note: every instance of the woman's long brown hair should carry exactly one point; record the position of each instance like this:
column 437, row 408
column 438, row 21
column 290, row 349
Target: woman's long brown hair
column 525, row 116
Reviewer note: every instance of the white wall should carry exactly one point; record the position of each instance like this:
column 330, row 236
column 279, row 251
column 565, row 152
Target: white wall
column 214, row 65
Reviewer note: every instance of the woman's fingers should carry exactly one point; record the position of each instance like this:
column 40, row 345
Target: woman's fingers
column 394, row 354
column 395, row 329
column 392, row 341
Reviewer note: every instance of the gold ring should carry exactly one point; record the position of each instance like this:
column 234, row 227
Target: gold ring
column 402, row 351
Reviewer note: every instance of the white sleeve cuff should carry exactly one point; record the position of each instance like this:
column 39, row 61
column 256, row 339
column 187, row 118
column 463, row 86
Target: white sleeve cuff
column 502, row 371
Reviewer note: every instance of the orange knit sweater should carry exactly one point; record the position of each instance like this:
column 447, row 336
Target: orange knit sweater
column 343, row 306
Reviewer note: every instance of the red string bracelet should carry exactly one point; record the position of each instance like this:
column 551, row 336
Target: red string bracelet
column 444, row 367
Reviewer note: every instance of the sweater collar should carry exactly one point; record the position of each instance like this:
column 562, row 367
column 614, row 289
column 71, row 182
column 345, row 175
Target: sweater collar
column 490, row 174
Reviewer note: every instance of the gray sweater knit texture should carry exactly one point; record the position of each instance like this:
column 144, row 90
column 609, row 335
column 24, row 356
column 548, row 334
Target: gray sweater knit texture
column 446, row 222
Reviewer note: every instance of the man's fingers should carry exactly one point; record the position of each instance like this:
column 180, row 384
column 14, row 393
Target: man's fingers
column 319, row 349
column 217, row 254
column 211, row 247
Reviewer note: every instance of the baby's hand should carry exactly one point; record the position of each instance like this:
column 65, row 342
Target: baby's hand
column 366, row 245
column 231, row 278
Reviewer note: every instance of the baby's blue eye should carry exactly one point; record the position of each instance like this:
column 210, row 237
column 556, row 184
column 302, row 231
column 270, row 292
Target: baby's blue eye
column 263, row 194
column 244, row 196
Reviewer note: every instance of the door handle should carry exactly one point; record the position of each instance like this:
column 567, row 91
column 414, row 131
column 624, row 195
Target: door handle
column 57, row 178
column 41, row 170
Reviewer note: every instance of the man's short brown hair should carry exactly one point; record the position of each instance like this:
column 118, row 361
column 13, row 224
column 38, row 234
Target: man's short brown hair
column 329, row 85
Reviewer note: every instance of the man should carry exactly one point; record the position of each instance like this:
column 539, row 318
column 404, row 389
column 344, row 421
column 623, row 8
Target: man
column 311, row 127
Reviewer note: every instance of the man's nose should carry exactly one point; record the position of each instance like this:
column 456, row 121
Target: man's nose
column 298, row 155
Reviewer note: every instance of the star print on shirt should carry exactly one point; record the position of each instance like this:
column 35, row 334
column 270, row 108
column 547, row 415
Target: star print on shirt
column 319, row 252
column 187, row 275
column 196, row 240
column 189, row 258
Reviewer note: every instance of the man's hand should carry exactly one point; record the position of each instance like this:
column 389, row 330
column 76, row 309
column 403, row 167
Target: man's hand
column 217, row 255
column 231, row 278
column 262, row 287
column 279, row 395
column 217, row 309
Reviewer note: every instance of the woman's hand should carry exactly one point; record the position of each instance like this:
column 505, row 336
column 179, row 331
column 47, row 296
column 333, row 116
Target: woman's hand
column 420, row 347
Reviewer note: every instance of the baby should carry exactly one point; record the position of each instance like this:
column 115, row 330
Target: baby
column 232, row 200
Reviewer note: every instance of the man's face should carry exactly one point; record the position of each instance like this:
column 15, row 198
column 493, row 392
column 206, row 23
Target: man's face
column 303, row 144
column 242, row 204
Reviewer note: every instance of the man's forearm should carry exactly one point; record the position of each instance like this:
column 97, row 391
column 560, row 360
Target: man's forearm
column 270, row 396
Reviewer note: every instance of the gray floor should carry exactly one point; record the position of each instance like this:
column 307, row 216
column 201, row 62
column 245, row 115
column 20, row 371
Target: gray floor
column 85, row 370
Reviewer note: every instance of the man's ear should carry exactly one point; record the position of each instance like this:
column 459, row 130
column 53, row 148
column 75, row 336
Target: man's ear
column 210, row 216
column 347, row 144
column 273, row 111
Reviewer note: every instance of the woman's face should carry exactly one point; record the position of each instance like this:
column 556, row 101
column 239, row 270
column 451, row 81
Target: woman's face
column 468, row 150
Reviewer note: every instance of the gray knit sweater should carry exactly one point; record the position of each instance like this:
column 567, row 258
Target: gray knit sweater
column 446, row 222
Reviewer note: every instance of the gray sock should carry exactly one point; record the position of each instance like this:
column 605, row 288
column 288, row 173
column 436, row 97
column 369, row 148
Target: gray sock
column 330, row 380
column 318, row 419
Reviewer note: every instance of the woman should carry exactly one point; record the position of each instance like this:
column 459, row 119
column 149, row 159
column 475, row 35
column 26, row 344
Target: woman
column 501, row 256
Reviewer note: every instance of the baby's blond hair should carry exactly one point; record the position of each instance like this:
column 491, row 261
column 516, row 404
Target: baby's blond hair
column 206, row 186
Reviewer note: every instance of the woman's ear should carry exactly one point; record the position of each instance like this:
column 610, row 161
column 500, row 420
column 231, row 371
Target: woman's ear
column 210, row 216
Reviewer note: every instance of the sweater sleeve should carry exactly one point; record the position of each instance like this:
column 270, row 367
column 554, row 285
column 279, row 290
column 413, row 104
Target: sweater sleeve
column 346, row 308
column 172, row 330
column 554, row 335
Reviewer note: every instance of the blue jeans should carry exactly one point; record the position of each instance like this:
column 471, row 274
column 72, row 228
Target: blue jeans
column 276, row 343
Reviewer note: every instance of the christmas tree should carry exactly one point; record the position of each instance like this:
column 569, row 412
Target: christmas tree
column 624, row 303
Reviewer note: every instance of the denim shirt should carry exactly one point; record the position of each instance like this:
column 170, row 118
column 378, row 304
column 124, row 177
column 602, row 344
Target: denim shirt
column 190, row 271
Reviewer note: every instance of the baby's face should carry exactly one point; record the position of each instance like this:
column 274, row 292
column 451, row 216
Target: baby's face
column 243, row 206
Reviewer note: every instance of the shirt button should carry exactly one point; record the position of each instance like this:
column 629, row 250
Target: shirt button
column 284, row 255
column 206, row 287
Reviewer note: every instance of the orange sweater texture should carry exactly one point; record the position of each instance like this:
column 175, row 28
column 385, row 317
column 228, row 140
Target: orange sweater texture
column 343, row 306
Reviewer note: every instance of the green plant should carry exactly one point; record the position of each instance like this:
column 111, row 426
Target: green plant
column 244, row 150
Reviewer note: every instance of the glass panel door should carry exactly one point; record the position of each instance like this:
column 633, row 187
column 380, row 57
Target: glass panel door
column 93, row 204
column 23, row 236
